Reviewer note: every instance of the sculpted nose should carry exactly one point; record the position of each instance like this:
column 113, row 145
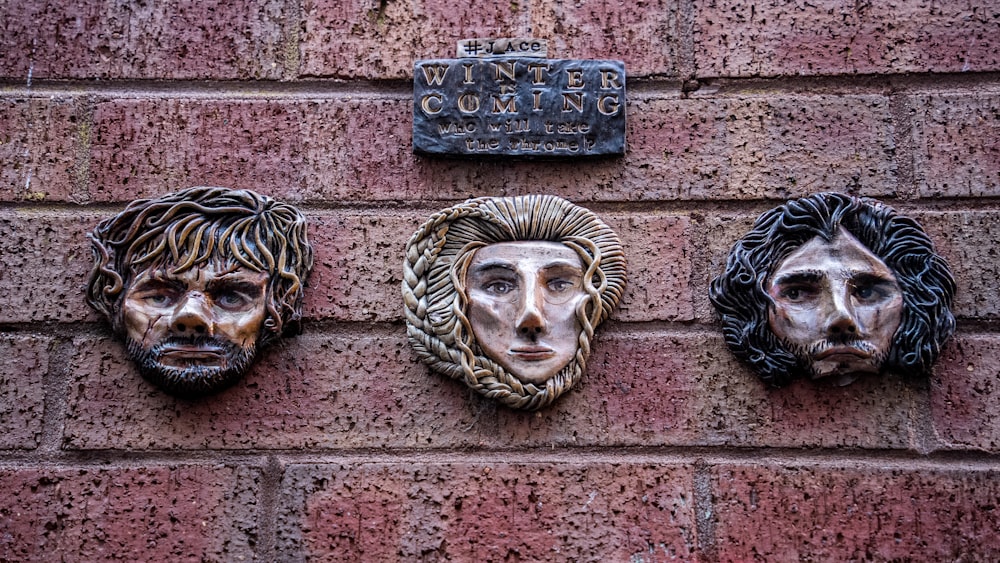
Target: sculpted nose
column 530, row 320
column 841, row 320
column 192, row 317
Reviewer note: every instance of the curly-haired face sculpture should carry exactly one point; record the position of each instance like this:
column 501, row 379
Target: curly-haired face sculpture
column 834, row 286
column 505, row 293
column 198, row 281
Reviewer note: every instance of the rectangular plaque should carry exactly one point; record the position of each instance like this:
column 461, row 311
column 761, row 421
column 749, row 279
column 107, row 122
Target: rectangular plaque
column 519, row 106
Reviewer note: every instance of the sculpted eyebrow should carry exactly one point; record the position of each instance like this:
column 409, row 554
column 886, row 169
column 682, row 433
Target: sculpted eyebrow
column 869, row 278
column 808, row 276
column 561, row 264
column 159, row 280
column 494, row 265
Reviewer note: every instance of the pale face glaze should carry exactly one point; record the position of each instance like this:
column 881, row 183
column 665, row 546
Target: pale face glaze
column 523, row 298
column 836, row 306
column 195, row 327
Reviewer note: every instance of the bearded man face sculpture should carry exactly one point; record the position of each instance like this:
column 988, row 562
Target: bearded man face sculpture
column 198, row 281
column 833, row 286
column 505, row 294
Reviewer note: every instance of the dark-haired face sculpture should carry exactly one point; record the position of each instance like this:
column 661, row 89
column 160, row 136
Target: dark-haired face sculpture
column 523, row 300
column 196, row 329
column 836, row 306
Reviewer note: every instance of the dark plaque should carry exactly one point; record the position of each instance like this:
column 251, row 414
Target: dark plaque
column 519, row 106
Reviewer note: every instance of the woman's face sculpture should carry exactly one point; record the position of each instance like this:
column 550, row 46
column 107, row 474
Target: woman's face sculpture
column 836, row 306
column 504, row 294
column 523, row 300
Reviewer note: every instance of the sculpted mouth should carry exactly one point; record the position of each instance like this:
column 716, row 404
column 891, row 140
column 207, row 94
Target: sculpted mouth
column 843, row 351
column 180, row 353
column 532, row 353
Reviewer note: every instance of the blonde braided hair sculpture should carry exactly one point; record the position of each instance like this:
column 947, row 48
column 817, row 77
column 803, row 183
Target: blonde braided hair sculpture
column 437, row 259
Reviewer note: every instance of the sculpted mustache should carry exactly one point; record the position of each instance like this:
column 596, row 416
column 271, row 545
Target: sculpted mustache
column 862, row 345
column 194, row 341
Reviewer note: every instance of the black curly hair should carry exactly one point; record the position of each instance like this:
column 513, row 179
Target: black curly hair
column 740, row 297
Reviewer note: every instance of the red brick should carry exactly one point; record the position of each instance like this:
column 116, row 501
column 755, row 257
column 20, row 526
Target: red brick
column 177, row 39
column 690, row 390
column 24, row 361
column 358, row 265
column 965, row 389
column 53, row 252
column 659, row 252
column 157, row 512
column 720, row 233
column 822, row 513
column 362, row 39
column 481, row 511
column 746, row 38
column 143, row 148
column 312, row 391
column 352, row 390
column 644, row 36
column 968, row 241
column 37, row 149
column 958, row 145
column 359, row 150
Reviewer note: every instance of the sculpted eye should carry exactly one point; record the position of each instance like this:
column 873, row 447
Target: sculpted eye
column 560, row 286
column 796, row 293
column 871, row 291
column 500, row 287
column 231, row 299
column 159, row 299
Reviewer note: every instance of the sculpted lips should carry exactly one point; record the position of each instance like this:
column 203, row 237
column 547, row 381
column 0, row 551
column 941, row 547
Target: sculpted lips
column 533, row 353
column 843, row 351
column 191, row 353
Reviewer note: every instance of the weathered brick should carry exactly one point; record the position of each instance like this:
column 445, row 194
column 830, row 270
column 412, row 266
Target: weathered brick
column 822, row 513
column 24, row 360
column 691, row 390
column 37, row 149
column 361, row 39
column 659, row 253
column 719, row 233
column 358, row 265
column 368, row 391
column 177, row 39
column 958, row 144
column 53, row 251
column 968, row 241
column 747, row 38
column 964, row 392
column 155, row 512
column 144, row 148
column 359, row 150
column 481, row 511
column 646, row 39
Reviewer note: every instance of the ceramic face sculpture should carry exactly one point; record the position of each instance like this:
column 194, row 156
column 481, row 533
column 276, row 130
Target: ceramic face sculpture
column 505, row 294
column 831, row 286
column 198, row 281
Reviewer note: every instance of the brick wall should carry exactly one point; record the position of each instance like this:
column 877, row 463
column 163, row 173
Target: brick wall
column 339, row 445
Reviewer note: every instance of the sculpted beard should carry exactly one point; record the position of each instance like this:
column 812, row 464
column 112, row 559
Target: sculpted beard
column 806, row 354
column 193, row 378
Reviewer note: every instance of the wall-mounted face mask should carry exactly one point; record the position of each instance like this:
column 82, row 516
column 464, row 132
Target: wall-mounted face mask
column 198, row 281
column 505, row 294
column 832, row 286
